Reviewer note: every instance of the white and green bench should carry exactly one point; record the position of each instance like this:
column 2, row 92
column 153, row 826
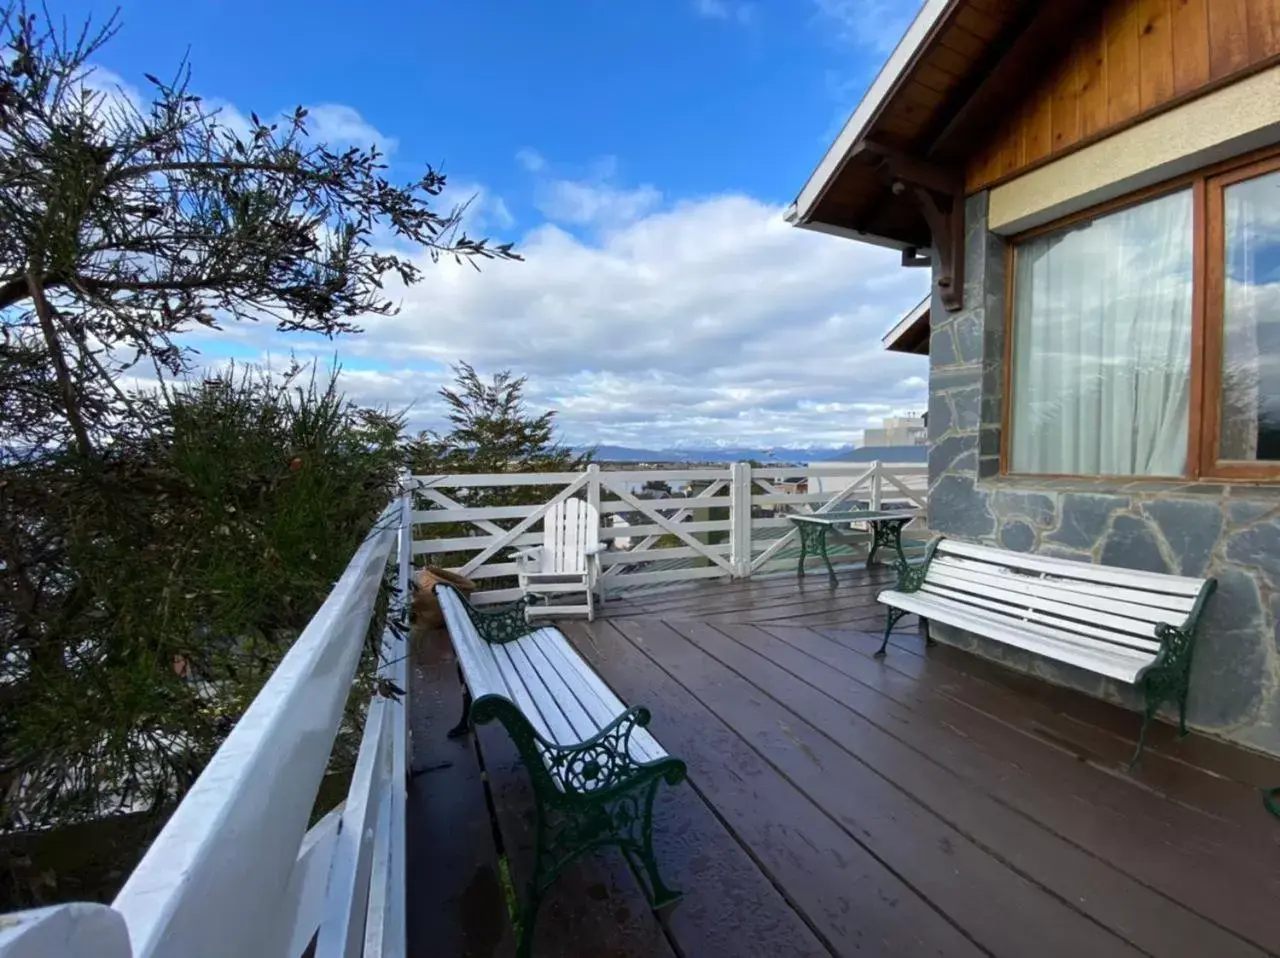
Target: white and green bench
column 594, row 766
column 1135, row 627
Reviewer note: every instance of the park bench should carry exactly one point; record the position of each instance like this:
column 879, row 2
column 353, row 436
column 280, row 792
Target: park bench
column 1135, row 627
column 594, row 766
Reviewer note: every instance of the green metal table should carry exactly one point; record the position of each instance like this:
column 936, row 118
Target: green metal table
column 885, row 527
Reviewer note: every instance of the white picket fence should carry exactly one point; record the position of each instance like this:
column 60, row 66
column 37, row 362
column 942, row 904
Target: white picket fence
column 236, row 871
column 731, row 522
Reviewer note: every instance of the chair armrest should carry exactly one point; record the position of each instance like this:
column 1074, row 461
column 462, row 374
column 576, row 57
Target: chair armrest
column 593, row 549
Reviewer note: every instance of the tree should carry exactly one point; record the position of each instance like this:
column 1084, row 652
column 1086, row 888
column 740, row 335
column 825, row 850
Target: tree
column 657, row 487
column 491, row 431
column 160, row 550
column 123, row 225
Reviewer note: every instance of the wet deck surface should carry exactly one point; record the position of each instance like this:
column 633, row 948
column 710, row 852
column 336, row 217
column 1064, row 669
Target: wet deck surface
column 930, row 803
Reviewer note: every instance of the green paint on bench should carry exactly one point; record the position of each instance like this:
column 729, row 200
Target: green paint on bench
column 588, row 795
column 1166, row 678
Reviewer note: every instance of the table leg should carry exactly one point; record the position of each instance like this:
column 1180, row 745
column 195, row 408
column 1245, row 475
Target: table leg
column 822, row 547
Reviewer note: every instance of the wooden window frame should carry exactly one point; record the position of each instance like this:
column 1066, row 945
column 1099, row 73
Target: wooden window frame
column 1208, row 286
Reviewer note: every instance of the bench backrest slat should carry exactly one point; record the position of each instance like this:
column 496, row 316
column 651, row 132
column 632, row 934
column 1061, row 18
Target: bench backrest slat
column 1152, row 582
column 1100, row 608
column 1134, row 603
column 474, row 656
column 1045, row 594
column 568, row 528
column 1008, row 605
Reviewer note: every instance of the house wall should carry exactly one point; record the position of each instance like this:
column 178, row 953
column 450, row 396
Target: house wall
column 1230, row 532
column 1218, row 126
column 1131, row 59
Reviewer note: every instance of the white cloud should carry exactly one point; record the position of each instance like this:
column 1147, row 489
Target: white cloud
column 712, row 321
column 593, row 204
column 874, row 24
column 531, row 160
column 340, row 124
column 725, row 10
column 594, row 199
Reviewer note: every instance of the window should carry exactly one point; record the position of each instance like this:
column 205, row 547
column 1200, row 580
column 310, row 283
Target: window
column 1145, row 337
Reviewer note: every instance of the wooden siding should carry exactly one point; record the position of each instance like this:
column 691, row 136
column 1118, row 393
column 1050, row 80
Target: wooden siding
column 1132, row 58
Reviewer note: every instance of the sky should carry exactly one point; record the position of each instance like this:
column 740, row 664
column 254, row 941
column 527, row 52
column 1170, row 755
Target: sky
column 639, row 155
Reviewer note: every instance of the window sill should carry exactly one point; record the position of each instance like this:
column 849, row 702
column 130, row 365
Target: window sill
column 1206, row 488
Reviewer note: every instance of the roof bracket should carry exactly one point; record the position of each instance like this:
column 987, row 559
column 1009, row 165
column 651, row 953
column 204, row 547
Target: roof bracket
column 938, row 194
column 912, row 258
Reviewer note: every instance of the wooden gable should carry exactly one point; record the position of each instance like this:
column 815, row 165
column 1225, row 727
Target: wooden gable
column 1127, row 61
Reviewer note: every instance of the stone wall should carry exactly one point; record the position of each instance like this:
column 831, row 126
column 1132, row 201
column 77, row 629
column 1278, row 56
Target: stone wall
column 1230, row 532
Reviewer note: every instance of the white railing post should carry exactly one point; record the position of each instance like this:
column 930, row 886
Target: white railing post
column 593, row 500
column 77, row 930
column 740, row 519
column 877, row 485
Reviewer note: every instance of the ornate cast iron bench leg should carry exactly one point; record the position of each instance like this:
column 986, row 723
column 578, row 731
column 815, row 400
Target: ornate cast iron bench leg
column 1167, row 680
column 587, row 796
column 910, row 578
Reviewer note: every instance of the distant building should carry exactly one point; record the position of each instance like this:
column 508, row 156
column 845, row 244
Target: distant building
column 897, row 431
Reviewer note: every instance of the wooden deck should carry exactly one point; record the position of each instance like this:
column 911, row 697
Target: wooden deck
column 930, row 803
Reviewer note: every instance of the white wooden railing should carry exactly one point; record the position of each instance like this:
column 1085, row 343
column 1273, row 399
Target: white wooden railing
column 730, row 523
column 235, row 871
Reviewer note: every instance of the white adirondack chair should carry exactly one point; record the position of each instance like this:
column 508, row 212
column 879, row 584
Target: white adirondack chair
column 567, row 562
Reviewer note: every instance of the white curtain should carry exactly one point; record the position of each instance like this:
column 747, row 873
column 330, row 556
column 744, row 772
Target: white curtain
column 1102, row 345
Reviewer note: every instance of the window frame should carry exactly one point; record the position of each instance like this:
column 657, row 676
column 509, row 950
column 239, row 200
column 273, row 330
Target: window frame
column 1208, row 277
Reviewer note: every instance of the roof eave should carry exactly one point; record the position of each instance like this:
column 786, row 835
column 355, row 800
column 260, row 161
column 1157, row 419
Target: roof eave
column 872, row 238
column 908, row 330
column 886, row 82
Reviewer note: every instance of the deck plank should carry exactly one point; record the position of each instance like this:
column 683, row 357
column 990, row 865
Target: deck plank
column 848, row 897
column 996, row 906
column 1160, row 843
column 453, row 891
column 900, row 744
column 932, row 802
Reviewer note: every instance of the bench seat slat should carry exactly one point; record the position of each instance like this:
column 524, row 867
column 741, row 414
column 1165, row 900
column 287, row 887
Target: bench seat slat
column 595, row 697
column 474, row 656
column 1069, row 617
column 1089, row 595
column 544, row 676
column 1086, row 633
column 1151, row 582
column 584, row 726
column 1104, row 658
column 521, row 695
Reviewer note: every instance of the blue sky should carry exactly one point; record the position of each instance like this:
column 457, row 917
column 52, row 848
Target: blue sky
column 639, row 154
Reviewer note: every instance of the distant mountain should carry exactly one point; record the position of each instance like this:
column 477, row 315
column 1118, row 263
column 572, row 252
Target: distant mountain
column 784, row 454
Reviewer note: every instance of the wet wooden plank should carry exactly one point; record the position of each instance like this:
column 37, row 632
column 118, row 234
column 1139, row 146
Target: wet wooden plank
column 1098, row 730
column 730, row 907
column 1056, row 717
column 997, row 908
column 850, row 900
column 899, row 743
column 596, row 907
column 1160, row 843
column 454, row 895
